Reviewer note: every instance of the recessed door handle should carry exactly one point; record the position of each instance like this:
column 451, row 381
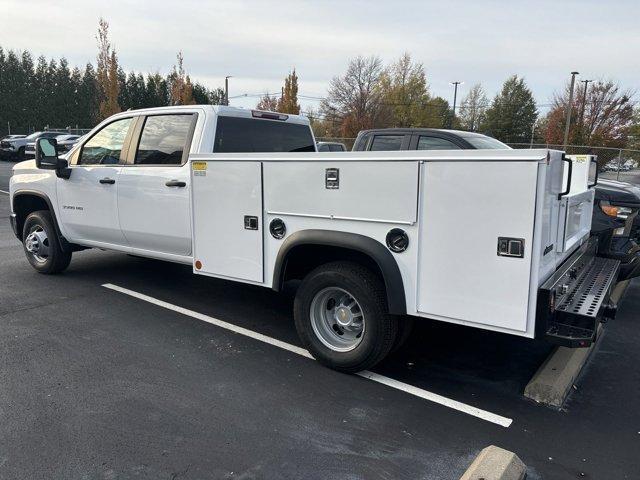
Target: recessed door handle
column 108, row 181
column 176, row 183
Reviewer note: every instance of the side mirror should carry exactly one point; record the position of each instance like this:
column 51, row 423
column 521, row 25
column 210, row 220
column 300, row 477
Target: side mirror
column 47, row 153
column 47, row 157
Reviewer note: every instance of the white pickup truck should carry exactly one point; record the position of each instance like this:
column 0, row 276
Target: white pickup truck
column 494, row 239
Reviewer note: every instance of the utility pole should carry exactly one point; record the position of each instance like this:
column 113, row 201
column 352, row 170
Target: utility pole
column 226, row 89
column 455, row 97
column 569, row 107
column 584, row 102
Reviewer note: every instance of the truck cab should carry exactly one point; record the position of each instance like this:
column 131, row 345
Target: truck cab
column 126, row 185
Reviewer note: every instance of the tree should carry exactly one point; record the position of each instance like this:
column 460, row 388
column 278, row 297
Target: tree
column 288, row 102
column 355, row 97
column 181, row 88
column 472, row 109
column 156, row 91
column 107, row 73
column 608, row 116
column 268, row 102
column 403, row 86
column 512, row 113
column 88, row 101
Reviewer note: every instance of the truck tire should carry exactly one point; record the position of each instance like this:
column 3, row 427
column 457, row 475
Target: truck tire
column 405, row 327
column 342, row 318
column 41, row 244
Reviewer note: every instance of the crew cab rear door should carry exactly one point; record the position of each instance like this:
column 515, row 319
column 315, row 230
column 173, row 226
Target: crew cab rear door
column 153, row 192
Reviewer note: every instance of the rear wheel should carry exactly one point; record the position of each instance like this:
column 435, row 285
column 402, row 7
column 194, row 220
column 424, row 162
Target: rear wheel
column 41, row 244
column 341, row 317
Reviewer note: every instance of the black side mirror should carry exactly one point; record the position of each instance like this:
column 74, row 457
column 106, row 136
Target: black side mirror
column 47, row 153
column 47, row 157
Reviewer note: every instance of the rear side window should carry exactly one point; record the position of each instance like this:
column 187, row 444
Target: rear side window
column 163, row 139
column 336, row 148
column 324, row 148
column 104, row 147
column 435, row 143
column 387, row 142
column 234, row 134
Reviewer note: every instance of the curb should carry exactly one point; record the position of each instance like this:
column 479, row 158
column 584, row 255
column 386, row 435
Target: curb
column 555, row 377
column 495, row 463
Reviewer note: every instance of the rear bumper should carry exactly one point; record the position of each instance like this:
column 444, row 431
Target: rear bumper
column 577, row 298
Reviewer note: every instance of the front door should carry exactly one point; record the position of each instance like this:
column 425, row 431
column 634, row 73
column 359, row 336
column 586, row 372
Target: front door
column 153, row 191
column 87, row 200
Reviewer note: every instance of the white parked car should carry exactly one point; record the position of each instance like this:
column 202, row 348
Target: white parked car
column 15, row 148
column 243, row 195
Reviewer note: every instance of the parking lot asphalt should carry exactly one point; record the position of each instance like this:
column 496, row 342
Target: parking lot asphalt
column 97, row 384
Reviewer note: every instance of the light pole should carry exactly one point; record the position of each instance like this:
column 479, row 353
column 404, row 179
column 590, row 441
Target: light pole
column 569, row 107
column 584, row 102
column 455, row 97
column 226, row 89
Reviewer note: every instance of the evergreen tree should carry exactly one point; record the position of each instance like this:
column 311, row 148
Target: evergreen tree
column 512, row 114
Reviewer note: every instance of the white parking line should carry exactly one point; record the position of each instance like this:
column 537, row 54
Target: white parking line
column 390, row 382
column 2, row 191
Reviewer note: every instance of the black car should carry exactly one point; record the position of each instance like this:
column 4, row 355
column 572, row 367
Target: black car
column 331, row 147
column 424, row 139
column 615, row 212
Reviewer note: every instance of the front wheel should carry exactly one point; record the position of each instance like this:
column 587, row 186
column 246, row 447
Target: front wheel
column 41, row 244
column 341, row 316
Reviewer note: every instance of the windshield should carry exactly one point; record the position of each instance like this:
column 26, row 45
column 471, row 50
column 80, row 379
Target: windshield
column 34, row 136
column 482, row 142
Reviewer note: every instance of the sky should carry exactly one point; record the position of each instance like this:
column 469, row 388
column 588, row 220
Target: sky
column 259, row 42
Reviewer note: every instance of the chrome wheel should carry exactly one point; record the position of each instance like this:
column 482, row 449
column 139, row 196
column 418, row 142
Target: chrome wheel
column 37, row 244
column 337, row 319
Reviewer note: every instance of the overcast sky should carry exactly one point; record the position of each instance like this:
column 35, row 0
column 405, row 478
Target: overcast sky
column 258, row 42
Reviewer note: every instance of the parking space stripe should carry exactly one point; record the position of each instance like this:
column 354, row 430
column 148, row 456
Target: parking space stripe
column 2, row 191
column 389, row 382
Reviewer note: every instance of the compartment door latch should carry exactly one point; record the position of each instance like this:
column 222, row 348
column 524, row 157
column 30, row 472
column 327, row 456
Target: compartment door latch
column 511, row 247
column 332, row 178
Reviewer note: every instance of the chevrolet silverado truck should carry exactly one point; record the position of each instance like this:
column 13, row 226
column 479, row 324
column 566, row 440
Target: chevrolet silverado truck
column 243, row 195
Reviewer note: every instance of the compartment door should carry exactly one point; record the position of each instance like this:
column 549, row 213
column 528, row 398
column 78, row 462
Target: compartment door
column 227, row 219
column 465, row 208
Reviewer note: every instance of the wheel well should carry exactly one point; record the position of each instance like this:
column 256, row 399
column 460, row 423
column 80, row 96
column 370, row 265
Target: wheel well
column 25, row 204
column 305, row 250
column 301, row 259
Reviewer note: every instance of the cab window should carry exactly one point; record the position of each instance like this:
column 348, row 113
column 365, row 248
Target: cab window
column 104, row 147
column 387, row 142
column 435, row 143
column 163, row 140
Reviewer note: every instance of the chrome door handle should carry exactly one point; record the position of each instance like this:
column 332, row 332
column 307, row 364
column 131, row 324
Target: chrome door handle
column 176, row 183
column 108, row 181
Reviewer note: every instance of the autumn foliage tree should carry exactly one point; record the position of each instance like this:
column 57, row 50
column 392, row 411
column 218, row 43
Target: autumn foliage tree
column 268, row 102
column 472, row 109
column 403, row 86
column 603, row 119
column 355, row 97
column 106, row 73
column 288, row 102
column 181, row 87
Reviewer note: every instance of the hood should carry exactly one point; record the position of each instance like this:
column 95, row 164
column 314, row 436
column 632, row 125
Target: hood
column 618, row 193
